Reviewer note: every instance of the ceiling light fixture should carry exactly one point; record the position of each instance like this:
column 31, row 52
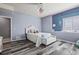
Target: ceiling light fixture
column 41, row 8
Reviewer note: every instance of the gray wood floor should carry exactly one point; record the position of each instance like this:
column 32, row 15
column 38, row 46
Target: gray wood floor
column 25, row 47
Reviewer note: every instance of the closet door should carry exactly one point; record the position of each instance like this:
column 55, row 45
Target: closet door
column 5, row 27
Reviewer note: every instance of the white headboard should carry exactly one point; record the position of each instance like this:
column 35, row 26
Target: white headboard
column 31, row 29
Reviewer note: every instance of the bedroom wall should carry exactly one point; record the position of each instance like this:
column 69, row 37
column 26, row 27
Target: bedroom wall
column 58, row 18
column 69, row 36
column 19, row 22
column 22, row 21
column 47, row 24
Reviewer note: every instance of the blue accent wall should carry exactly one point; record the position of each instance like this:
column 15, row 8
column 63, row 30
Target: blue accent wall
column 57, row 19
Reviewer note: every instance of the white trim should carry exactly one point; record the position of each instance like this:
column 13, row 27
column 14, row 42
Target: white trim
column 10, row 24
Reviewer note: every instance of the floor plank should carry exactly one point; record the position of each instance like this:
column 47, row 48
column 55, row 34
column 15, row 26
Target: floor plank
column 28, row 48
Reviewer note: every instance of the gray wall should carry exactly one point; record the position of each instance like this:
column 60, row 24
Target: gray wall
column 47, row 27
column 69, row 36
column 20, row 21
column 47, row 24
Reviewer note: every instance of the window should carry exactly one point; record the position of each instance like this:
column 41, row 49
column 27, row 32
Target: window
column 71, row 24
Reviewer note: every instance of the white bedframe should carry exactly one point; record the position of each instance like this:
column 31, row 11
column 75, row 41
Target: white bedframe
column 40, row 38
column 45, row 38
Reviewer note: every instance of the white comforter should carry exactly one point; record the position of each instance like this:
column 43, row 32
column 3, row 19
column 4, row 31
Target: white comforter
column 37, row 37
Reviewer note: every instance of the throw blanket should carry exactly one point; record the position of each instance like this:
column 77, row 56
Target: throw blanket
column 38, row 42
column 41, row 37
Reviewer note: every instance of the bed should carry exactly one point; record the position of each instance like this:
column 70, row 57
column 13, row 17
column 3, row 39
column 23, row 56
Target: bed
column 39, row 37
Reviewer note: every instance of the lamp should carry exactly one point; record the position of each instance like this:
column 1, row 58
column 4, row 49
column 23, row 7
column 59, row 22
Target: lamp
column 54, row 25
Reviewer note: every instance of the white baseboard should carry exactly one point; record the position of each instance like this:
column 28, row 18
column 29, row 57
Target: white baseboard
column 18, row 39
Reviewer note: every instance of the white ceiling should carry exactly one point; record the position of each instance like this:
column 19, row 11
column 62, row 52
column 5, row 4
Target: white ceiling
column 30, row 9
column 5, row 6
column 49, row 8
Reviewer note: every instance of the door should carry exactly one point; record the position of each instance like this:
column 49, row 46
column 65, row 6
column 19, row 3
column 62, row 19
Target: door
column 5, row 29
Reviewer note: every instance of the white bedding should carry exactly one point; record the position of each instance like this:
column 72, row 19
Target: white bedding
column 33, row 36
column 44, row 35
column 37, row 37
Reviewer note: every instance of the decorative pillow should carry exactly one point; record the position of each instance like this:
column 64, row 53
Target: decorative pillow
column 32, row 29
column 37, row 31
